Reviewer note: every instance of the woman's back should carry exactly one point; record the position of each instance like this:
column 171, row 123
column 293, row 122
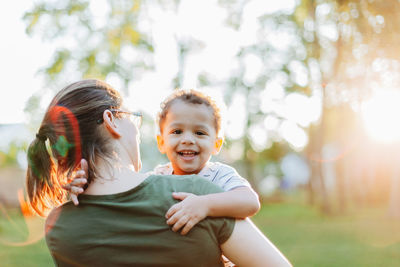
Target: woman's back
column 130, row 228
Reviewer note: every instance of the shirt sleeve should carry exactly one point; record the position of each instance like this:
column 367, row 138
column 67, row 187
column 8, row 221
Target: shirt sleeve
column 165, row 169
column 221, row 226
column 227, row 177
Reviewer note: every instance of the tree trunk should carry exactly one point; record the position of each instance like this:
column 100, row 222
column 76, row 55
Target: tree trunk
column 325, row 204
column 311, row 163
column 394, row 201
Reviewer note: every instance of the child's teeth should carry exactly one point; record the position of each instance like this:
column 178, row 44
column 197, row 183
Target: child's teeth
column 187, row 153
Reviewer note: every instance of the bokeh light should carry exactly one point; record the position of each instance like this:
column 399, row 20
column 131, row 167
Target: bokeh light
column 381, row 114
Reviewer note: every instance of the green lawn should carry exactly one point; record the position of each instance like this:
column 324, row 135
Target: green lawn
column 13, row 236
column 364, row 238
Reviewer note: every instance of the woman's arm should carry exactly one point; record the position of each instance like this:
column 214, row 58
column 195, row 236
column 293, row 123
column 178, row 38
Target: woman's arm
column 247, row 246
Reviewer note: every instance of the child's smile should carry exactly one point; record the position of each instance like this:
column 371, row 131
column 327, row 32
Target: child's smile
column 188, row 137
column 188, row 155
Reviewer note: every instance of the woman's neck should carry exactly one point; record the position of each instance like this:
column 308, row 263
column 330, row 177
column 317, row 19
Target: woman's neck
column 115, row 176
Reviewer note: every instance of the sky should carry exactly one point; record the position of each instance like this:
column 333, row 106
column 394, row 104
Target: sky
column 21, row 57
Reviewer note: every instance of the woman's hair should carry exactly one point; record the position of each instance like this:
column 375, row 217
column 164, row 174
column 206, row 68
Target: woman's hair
column 70, row 126
column 190, row 97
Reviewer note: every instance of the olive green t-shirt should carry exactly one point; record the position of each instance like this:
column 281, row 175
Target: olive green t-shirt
column 130, row 229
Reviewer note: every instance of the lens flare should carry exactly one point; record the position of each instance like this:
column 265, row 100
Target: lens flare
column 33, row 224
column 63, row 146
column 334, row 156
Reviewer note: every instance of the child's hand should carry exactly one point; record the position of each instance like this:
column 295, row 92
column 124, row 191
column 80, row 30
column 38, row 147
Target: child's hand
column 186, row 213
column 79, row 179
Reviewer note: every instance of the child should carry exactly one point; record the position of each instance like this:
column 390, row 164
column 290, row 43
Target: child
column 190, row 125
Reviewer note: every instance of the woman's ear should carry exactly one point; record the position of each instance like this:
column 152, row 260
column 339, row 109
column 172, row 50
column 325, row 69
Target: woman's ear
column 217, row 145
column 110, row 124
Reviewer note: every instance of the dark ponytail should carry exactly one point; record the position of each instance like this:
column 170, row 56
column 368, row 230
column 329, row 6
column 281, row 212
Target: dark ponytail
column 40, row 176
column 69, row 132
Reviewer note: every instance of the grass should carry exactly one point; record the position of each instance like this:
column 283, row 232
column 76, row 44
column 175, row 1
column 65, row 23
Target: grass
column 307, row 238
column 15, row 246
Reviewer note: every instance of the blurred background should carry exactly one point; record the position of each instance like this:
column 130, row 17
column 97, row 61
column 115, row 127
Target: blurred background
column 311, row 92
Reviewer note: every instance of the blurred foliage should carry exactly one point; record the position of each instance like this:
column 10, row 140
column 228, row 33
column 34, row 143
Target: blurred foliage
column 9, row 157
column 338, row 51
column 93, row 49
column 338, row 44
column 33, row 111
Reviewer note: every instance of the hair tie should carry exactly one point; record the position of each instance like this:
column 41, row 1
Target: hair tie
column 41, row 137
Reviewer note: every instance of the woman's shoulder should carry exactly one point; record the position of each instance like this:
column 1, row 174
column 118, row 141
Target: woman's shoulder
column 185, row 183
column 63, row 212
column 192, row 178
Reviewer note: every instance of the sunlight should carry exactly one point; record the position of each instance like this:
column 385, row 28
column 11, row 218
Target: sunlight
column 295, row 135
column 259, row 138
column 236, row 118
column 301, row 109
column 380, row 115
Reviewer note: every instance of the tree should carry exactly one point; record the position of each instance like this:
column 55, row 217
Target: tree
column 345, row 48
column 336, row 51
column 92, row 43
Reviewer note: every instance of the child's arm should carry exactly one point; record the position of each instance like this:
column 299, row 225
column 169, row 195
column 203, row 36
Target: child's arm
column 240, row 202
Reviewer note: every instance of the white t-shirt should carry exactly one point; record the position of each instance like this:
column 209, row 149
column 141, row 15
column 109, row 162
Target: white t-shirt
column 220, row 174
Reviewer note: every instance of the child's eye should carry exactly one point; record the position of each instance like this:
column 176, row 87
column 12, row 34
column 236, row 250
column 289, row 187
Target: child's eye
column 176, row 132
column 201, row 133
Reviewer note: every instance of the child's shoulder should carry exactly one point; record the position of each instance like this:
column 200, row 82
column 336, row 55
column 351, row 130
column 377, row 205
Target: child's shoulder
column 163, row 169
column 218, row 166
column 223, row 175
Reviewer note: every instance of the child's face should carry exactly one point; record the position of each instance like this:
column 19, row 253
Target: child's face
column 188, row 137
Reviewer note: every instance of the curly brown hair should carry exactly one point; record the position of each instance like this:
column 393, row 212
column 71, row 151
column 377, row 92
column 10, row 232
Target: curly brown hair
column 192, row 97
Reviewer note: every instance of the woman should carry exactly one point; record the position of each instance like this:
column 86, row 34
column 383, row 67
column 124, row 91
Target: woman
column 120, row 219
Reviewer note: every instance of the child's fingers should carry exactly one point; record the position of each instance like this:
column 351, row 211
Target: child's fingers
column 74, row 199
column 173, row 219
column 172, row 210
column 84, row 165
column 78, row 181
column 181, row 195
column 66, row 186
column 181, row 222
column 80, row 174
column 189, row 225
column 76, row 190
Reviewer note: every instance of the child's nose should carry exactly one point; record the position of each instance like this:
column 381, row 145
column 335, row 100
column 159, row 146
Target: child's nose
column 188, row 139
